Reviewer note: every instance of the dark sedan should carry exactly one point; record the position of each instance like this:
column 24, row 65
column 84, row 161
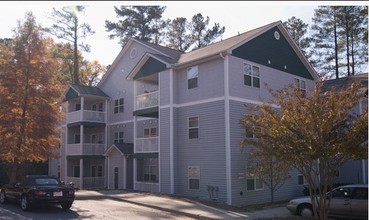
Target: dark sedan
column 36, row 190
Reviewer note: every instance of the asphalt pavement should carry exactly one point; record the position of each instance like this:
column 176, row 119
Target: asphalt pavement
column 187, row 207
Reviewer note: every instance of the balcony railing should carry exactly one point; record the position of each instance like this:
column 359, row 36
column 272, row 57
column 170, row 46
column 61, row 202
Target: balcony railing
column 147, row 145
column 147, row 100
column 86, row 116
column 87, row 149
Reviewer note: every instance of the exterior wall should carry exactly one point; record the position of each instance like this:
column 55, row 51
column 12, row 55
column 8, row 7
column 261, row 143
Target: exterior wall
column 126, row 128
column 164, row 154
column 116, row 159
column 273, row 79
column 210, row 83
column 352, row 172
column 240, row 195
column 207, row 152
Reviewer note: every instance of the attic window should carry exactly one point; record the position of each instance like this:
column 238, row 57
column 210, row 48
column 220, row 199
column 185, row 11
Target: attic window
column 276, row 35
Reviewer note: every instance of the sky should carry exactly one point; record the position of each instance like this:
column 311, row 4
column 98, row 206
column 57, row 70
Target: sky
column 235, row 16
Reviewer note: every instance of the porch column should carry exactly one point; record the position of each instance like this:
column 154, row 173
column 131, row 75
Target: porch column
column 81, row 128
column 134, row 134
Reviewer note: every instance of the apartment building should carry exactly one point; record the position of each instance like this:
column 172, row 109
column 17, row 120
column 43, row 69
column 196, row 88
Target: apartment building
column 161, row 120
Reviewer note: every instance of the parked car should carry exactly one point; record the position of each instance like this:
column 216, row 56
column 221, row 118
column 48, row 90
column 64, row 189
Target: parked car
column 38, row 189
column 348, row 201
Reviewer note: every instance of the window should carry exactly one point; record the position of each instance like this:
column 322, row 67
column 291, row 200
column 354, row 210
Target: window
column 252, row 182
column 193, row 127
column 77, row 138
column 150, row 132
column 192, row 76
column 75, row 171
column 301, row 180
column 301, row 84
column 96, row 171
column 118, row 137
column 147, row 170
column 118, row 105
column 97, row 107
column 78, row 107
column 194, row 177
column 248, row 130
column 150, row 173
column 251, row 75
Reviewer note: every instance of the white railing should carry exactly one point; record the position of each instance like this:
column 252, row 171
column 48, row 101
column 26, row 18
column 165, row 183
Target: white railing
column 87, row 149
column 147, row 187
column 147, row 100
column 147, row 145
column 87, row 115
column 93, row 182
column 87, row 182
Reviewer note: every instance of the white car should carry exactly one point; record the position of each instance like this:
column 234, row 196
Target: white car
column 349, row 201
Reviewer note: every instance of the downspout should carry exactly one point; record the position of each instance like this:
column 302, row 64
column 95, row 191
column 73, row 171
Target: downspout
column 227, row 130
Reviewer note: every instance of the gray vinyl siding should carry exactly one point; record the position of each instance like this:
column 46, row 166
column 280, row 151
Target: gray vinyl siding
column 207, row 152
column 210, row 83
column 351, row 172
column 116, row 160
column 164, row 155
column 269, row 79
column 290, row 188
column 126, row 128
column 164, row 84
column 146, row 123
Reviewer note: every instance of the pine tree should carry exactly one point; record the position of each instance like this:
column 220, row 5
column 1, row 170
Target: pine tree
column 178, row 37
column 202, row 35
column 298, row 31
column 141, row 22
column 67, row 26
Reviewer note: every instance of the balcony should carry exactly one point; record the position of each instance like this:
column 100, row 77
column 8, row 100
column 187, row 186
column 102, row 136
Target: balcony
column 86, row 116
column 146, row 145
column 85, row 149
column 147, row 100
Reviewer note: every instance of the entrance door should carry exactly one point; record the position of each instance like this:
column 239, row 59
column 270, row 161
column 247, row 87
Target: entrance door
column 115, row 177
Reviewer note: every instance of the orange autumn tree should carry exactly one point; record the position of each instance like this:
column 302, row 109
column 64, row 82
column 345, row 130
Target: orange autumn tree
column 29, row 113
column 315, row 133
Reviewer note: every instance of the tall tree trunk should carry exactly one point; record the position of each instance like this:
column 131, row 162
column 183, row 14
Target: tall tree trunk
column 335, row 43
column 347, row 41
column 352, row 53
column 75, row 64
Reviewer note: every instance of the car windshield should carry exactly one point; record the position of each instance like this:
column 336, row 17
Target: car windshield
column 46, row 181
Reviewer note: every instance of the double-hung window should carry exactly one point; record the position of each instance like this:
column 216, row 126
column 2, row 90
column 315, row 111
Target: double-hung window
column 251, row 75
column 192, row 77
column 118, row 105
column 150, row 173
column 194, row 177
column 118, row 137
column 253, row 182
column 193, row 127
column 301, row 84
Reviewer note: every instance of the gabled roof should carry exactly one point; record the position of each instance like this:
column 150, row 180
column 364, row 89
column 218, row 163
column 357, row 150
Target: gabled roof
column 123, row 148
column 340, row 83
column 75, row 91
column 224, row 45
column 167, row 54
column 176, row 59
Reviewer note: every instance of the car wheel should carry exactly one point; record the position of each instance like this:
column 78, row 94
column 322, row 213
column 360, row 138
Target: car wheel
column 25, row 206
column 306, row 212
column 2, row 197
column 66, row 205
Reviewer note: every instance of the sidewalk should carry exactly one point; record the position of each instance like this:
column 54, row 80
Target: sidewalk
column 185, row 207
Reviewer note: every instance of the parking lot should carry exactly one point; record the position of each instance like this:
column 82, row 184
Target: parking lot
column 135, row 205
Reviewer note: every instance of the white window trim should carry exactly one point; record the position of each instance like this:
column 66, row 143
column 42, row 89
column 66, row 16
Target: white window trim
column 253, row 178
column 299, row 80
column 197, row 77
column 198, row 128
column 118, row 132
column 252, row 75
column 118, row 106
column 188, row 176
